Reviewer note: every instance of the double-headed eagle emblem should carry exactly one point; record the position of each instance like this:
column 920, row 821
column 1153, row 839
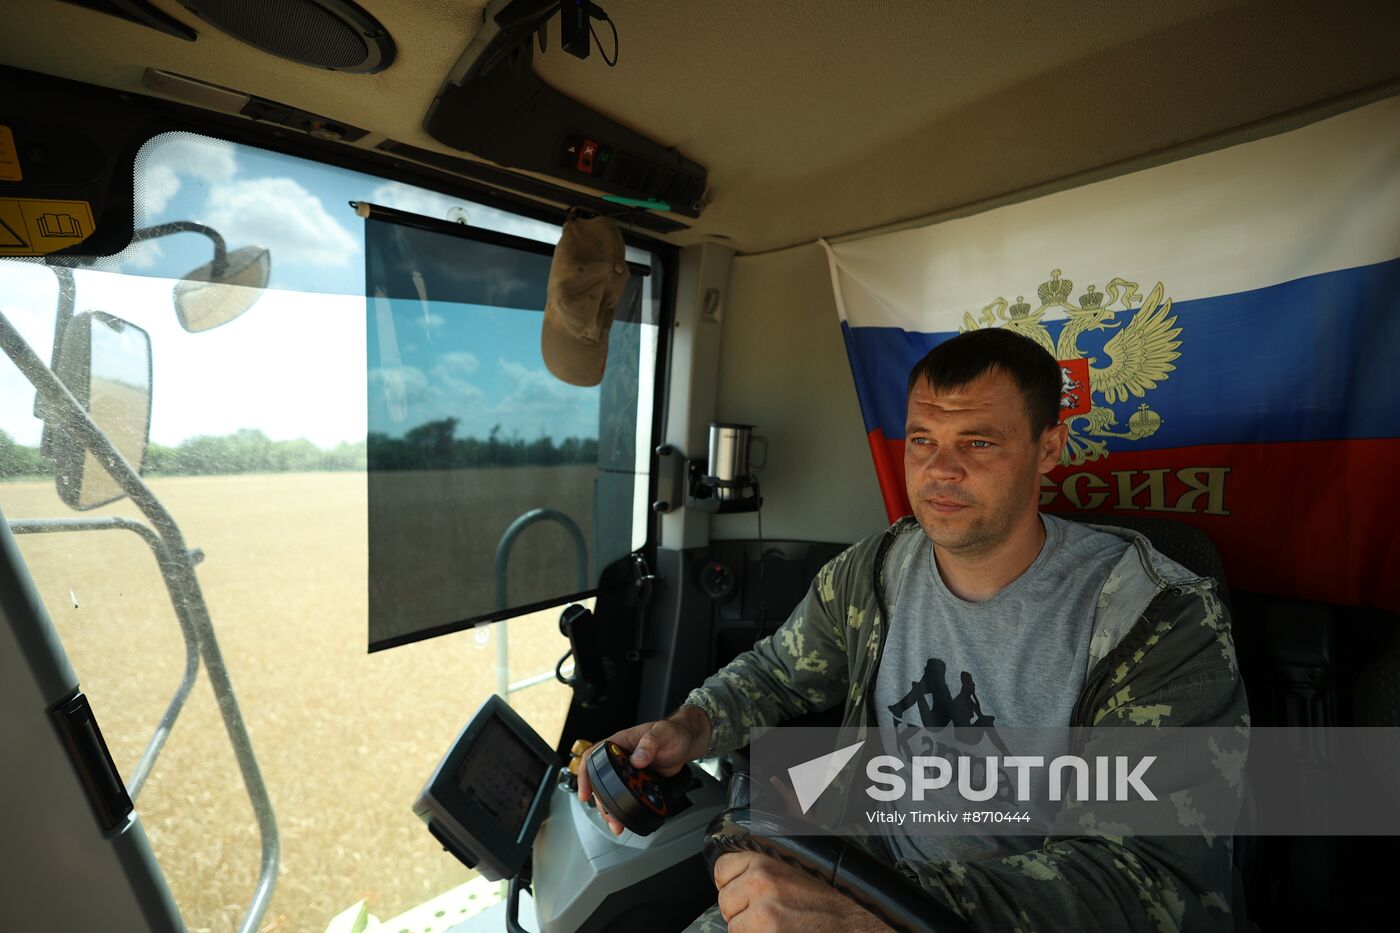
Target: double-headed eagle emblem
column 1140, row 355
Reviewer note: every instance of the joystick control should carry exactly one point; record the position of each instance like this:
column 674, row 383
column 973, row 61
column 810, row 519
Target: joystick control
column 641, row 801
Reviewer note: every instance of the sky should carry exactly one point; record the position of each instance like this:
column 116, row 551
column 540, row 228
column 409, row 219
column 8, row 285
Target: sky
column 498, row 381
column 294, row 364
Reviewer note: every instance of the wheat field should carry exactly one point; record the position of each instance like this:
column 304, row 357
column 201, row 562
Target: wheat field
column 345, row 739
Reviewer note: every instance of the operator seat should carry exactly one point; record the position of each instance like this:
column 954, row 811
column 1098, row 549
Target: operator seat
column 1192, row 548
column 1186, row 544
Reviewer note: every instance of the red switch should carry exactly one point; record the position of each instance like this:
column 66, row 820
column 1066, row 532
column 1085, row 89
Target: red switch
column 586, row 154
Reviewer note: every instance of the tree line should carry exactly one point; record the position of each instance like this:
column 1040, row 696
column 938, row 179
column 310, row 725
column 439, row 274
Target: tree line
column 249, row 451
column 434, row 445
column 429, row 446
column 16, row 460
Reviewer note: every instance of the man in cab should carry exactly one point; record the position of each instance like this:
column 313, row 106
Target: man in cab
column 981, row 608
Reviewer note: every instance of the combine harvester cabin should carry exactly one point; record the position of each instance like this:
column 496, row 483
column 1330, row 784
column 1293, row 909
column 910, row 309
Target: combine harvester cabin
column 398, row 398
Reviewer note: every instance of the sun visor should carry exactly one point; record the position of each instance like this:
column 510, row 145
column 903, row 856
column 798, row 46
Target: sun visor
column 494, row 489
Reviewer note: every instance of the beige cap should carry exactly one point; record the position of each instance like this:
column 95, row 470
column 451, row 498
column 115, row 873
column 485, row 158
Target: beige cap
column 586, row 280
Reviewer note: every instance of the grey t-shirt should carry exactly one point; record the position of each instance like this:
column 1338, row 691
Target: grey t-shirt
column 1015, row 659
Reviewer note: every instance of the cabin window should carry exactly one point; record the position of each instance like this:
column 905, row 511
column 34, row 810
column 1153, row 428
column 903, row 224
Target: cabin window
column 258, row 449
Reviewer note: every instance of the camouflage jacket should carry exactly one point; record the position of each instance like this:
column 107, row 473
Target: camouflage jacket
column 1161, row 654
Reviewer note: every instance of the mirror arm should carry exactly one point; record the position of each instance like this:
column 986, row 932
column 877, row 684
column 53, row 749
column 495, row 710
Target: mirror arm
column 63, row 316
column 67, row 303
column 189, row 226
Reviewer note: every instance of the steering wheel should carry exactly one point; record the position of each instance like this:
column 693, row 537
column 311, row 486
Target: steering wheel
column 879, row 888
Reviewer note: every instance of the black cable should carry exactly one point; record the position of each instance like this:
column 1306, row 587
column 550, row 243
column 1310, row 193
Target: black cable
column 596, row 13
column 642, row 599
column 559, row 670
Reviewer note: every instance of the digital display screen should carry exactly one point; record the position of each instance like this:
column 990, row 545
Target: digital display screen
column 501, row 776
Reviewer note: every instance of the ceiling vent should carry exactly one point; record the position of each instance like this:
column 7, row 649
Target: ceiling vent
column 332, row 34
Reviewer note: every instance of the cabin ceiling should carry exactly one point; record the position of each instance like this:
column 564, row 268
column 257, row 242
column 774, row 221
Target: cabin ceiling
column 822, row 119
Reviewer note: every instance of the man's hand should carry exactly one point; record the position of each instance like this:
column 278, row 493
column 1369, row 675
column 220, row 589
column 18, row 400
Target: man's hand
column 664, row 746
column 760, row 893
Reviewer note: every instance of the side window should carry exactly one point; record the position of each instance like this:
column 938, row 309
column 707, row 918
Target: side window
column 267, row 428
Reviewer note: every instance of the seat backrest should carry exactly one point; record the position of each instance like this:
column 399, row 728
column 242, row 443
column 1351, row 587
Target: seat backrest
column 1186, row 544
column 1376, row 696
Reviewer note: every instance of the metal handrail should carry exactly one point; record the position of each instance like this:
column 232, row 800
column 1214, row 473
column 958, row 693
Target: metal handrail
column 565, row 671
column 503, row 548
column 185, row 590
column 38, row 526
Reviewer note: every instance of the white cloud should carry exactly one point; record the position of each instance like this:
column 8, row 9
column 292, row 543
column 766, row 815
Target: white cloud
column 453, row 390
column 525, row 402
column 439, row 206
column 281, row 215
column 532, row 386
column 460, row 361
column 143, row 255
column 414, row 397
column 537, row 403
column 166, row 158
column 502, row 222
column 419, row 201
column 401, row 386
column 156, row 187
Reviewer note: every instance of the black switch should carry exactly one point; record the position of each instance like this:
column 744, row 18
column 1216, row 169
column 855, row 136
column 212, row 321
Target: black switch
column 568, row 153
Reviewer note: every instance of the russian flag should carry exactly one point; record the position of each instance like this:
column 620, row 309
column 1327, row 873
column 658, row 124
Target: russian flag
column 1228, row 328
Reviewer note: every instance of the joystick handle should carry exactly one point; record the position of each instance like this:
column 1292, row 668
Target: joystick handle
column 641, row 801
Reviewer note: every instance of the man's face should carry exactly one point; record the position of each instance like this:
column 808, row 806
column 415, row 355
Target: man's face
column 971, row 467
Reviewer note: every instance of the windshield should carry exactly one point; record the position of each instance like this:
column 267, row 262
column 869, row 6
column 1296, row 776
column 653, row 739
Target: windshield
column 258, row 429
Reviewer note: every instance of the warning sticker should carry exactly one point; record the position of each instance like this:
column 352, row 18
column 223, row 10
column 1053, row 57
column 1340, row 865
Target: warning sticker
column 9, row 156
column 32, row 227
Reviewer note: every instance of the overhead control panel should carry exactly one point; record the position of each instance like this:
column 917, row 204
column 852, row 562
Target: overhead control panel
column 494, row 105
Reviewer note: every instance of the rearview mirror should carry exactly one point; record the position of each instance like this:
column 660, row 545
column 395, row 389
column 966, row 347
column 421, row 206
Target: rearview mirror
column 106, row 363
column 208, row 296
